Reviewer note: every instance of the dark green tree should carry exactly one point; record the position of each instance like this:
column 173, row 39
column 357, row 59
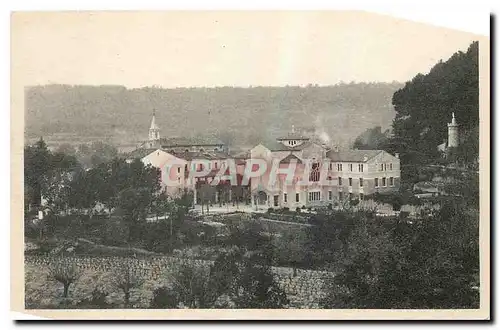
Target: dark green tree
column 425, row 104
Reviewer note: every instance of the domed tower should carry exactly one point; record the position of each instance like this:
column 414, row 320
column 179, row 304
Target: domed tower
column 453, row 133
column 154, row 130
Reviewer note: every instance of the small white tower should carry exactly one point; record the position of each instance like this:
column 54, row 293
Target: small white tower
column 154, row 130
column 453, row 133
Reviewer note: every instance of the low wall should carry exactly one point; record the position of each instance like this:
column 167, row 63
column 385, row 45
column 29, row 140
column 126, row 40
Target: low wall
column 304, row 290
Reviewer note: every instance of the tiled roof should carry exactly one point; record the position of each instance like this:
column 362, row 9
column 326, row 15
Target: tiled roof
column 277, row 146
column 140, row 153
column 189, row 141
column 190, row 155
column 293, row 136
column 352, row 155
column 290, row 158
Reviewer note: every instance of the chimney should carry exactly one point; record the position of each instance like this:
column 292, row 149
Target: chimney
column 365, row 158
column 336, row 148
column 396, row 155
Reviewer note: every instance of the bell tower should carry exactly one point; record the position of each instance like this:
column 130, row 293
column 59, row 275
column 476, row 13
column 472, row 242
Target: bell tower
column 154, row 130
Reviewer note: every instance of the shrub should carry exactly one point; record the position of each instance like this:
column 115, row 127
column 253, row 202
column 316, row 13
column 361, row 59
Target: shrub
column 269, row 210
column 297, row 210
column 164, row 297
column 97, row 300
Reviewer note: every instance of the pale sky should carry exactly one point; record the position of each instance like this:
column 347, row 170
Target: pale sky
column 182, row 49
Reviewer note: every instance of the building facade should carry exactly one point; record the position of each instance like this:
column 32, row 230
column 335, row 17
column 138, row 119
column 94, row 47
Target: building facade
column 293, row 171
column 321, row 175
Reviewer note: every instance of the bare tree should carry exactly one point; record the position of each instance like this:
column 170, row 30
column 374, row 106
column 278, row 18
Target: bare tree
column 126, row 279
column 64, row 272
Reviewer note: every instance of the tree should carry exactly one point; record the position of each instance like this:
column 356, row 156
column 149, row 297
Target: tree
column 431, row 262
column 425, row 104
column 233, row 281
column 134, row 204
column 372, row 139
column 36, row 167
column 126, row 279
column 65, row 273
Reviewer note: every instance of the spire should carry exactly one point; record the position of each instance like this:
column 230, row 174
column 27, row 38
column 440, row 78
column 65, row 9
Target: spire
column 153, row 121
column 154, row 130
column 293, row 128
column 453, row 122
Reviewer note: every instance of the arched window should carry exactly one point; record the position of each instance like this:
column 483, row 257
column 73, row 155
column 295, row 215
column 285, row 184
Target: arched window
column 314, row 176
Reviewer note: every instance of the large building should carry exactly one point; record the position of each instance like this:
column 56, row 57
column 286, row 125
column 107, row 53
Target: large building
column 292, row 171
column 321, row 175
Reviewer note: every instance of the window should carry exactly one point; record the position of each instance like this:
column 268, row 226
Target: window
column 385, row 167
column 391, row 181
column 339, row 167
column 314, row 176
column 178, row 170
column 361, row 196
column 297, row 197
column 276, row 200
column 330, row 166
column 350, row 167
column 381, row 167
column 314, row 196
column 215, row 165
column 383, row 182
column 285, row 198
column 361, row 182
column 376, row 182
column 330, row 195
column 340, row 181
column 360, row 167
column 350, row 182
column 390, row 166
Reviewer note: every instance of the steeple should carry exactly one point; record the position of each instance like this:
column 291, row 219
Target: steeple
column 154, row 130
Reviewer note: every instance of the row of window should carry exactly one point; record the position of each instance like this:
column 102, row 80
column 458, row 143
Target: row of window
column 285, row 197
column 201, row 166
column 350, row 167
column 381, row 168
column 361, row 181
column 316, row 196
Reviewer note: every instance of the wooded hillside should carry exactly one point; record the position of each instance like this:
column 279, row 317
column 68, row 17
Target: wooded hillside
column 239, row 115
